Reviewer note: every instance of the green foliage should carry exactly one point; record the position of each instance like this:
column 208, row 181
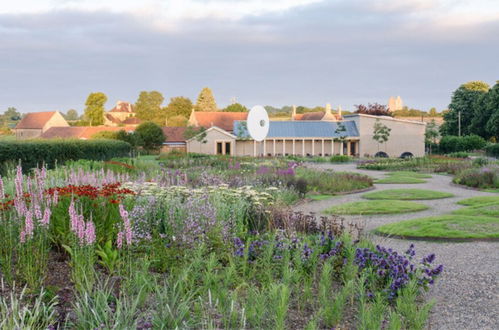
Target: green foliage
column 72, row 114
column 206, row 101
column 492, row 150
column 179, row 106
column 51, row 152
column 109, row 256
column 150, row 135
column 381, row 132
column 464, row 100
column 111, row 135
column 177, row 121
column 339, row 159
column 325, row 182
column 198, row 132
column 236, row 107
column 94, row 108
column 450, row 143
column 148, row 107
column 485, row 121
column 433, row 112
column 431, row 135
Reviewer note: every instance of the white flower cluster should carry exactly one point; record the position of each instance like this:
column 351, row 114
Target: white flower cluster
column 247, row 193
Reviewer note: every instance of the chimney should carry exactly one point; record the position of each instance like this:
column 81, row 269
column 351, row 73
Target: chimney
column 339, row 112
column 328, row 109
column 293, row 113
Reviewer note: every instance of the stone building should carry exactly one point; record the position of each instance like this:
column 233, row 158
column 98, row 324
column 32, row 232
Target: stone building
column 351, row 135
column 34, row 124
column 395, row 103
column 123, row 114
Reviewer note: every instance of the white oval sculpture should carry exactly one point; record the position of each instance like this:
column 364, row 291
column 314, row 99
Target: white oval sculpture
column 258, row 123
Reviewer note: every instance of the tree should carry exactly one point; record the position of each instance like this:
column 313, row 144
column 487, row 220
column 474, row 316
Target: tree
column 236, row 107
column 462, row 105
column 341, row 131
column 94, row 108
column 433, row 112
column 492, row 108
column 381, row 133
column 150, row 136
column 177, row 121
column 431, row 135
column 148, row 107
column 206, row 101
column 179, row 106
column 105, row 135
column 72, row 115
column 11, row 114
column 198, row 132
column 373, row 109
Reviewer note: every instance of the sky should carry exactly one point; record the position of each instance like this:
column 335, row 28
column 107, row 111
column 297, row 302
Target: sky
column 53, row 53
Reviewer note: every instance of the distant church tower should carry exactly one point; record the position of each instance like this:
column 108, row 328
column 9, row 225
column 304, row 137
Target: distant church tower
column 395, row 104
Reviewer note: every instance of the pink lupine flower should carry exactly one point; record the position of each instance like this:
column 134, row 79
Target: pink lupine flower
column 28, row 224
column 90, row 233
column 37, row 211
column 46, row 217
column 19, row 181
column 22, row 237
column 126, row 223
column 81, row 229
column 73, row 216
column 119, row 240
column 55, row 197
column 2, row 190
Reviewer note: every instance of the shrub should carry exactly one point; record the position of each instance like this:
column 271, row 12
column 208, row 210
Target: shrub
column 452, row 143
column 51, row 152
column 485, row 177
column 458, row 154
column 150, row 135
column 339, row 159
column 492, row 150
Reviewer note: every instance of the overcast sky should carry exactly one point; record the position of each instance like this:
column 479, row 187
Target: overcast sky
column 53, row 53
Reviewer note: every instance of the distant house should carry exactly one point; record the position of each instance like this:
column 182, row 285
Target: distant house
column 395, row 103
column 317, row 115
column 34, row 124
column 81, row 132
column 122, row 114
column 175, row 139
column 220, row 119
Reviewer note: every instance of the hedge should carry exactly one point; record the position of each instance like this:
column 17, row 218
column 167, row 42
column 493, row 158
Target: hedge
column 33, row 153
column 492, row 150
column 450, row 143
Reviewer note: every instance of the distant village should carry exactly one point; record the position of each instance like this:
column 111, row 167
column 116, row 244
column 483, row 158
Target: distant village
column 309, row 133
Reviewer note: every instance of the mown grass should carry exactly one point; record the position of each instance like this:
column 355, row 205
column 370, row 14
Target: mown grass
column 410, row 174
column 376, row 207
column 480, row 200
column 445, row 226
column 407, row 194
column 395, row 179
column 320, row 197
column 488, row 210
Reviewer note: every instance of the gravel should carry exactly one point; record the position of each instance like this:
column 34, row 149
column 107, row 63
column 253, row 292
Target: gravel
column 467, row 294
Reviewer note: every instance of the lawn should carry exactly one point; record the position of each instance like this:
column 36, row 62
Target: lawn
column 410, row 174
column 376, row 207
column 404, row 177
column 488, row 210
column 395, row 179
column 480, row 200
column 445, row 226
column 407, row 194
column 320, row 197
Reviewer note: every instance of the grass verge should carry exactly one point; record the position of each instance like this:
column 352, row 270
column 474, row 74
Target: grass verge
column 396, row 179
column 445, row 226
column 407, row 194
column 410, row 174
column 481, row 200
column 376, row 207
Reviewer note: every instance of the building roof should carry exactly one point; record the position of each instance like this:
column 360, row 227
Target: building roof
column 122, row 106
column 131, row 121
column 174, row 134
column 81, row 132
column 318, row 115
column 223, row 120
column 35, row 120
column 303, row 129
column 112, row 119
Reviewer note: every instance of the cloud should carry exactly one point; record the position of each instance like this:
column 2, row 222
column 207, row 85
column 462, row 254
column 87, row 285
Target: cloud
column 343, row 52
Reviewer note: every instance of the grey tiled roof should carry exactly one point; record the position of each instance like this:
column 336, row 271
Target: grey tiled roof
column 302, row 129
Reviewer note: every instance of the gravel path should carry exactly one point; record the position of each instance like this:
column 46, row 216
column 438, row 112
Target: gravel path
column 467, row 293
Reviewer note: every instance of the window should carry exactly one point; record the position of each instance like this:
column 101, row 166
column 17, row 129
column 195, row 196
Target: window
column 227, row 148
column 219, row 148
